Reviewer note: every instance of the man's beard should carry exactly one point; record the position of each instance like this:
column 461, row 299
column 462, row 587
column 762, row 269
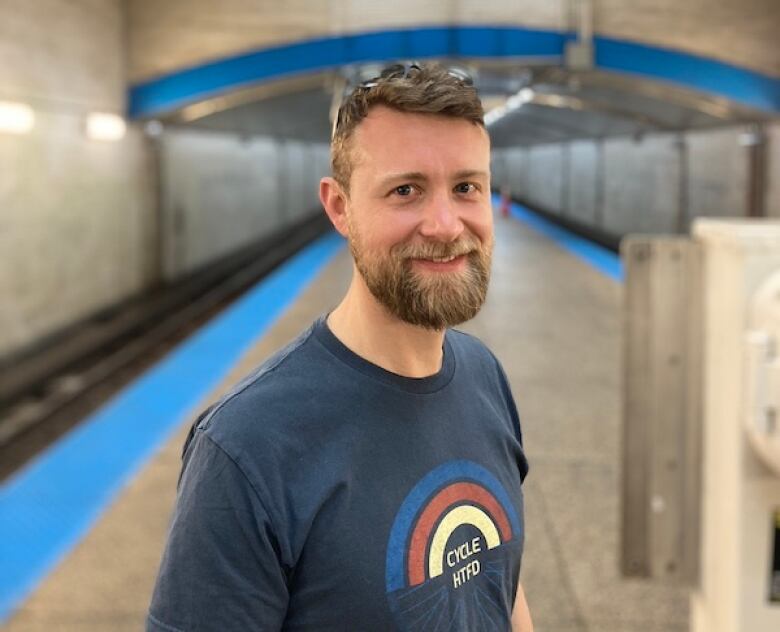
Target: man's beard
column 434, row 300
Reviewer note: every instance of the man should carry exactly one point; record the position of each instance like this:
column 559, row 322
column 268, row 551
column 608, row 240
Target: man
column 368, row 476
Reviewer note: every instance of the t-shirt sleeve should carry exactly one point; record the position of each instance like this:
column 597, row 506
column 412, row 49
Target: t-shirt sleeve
column 220, row 569
column 509, row 400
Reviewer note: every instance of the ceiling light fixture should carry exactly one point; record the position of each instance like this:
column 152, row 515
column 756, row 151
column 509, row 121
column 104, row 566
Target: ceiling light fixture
column 515, row 102
column 103, row 126
column 16, row 118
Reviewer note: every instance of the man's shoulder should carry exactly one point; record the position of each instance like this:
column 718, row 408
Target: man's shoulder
column 477, row 360
column 272, row 395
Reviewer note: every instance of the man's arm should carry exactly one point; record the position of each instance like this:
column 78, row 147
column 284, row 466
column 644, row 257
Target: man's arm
column 521, row 617
column 220, row 569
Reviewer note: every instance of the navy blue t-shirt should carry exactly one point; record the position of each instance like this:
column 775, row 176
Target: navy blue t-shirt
column 325, row 493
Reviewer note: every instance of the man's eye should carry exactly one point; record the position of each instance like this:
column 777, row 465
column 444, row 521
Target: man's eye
column 404, row 190
column 465, row 187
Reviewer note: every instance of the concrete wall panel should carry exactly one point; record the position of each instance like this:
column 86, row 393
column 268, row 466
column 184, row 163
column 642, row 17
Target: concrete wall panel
column 174, row 34
column 359, row 15
column 542, row 14
column 640, row 180
column 222, row 192
column 301, row 182
column 583, row 184
column 545, row 186
column 76, row 227
column 63, row 54
column 217, row 196
column 498, row 168
column 717, row 174
column 641, row 185
column 522, row 173
column 701, row 27
column 773, row 171
column 517, row 171
column 76, row 215
column 362, row 15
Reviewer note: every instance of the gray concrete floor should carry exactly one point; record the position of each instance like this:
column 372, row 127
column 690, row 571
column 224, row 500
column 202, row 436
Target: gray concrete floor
column 555, row 324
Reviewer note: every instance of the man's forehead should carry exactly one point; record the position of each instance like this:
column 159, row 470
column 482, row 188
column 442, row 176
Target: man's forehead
column 380, row 119
column 410, row 142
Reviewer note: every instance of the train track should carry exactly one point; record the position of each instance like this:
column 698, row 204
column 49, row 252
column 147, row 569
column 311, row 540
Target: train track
column 48, row 392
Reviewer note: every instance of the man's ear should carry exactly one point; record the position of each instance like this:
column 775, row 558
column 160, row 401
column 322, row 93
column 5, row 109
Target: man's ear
column 334, row 201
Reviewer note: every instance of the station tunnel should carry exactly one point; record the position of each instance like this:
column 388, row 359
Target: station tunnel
column 162, row 235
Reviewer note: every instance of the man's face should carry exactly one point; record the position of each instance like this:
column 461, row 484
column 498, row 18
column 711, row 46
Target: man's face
column 419, row 215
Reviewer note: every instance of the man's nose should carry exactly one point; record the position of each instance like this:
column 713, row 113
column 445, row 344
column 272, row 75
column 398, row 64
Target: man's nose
column 441, row 221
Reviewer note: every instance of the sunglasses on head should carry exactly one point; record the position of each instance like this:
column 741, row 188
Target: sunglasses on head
column 397, row 71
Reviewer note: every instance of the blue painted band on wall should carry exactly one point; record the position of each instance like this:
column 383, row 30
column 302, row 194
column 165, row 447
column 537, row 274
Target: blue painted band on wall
column 708, row 75
column 190, row 85
column 51, row 504
column 179, row 88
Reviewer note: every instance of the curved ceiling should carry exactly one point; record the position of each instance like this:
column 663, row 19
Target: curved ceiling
column 628, row 88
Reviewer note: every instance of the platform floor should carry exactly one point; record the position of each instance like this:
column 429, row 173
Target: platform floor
column 554, row 322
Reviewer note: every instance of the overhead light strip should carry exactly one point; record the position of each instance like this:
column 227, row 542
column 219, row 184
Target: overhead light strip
column 16, row 118
column 515, row 102
column 105, row 127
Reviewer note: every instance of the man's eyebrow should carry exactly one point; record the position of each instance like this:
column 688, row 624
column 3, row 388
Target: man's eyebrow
column 418, row 176
column 414, row 176
column 471, row 173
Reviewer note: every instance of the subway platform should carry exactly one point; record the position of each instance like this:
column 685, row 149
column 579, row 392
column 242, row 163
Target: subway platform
column 553, row 317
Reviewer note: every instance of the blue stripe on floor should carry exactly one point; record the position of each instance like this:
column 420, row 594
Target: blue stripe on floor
column 603, row 259
column 51, row 504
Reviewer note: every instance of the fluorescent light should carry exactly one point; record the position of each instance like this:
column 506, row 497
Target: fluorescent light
column 515, row 102
column 526, row 95
column 494, row 115
column 102, row 126
column 16, row 118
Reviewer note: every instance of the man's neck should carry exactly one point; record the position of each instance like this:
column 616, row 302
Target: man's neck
column 365, row 327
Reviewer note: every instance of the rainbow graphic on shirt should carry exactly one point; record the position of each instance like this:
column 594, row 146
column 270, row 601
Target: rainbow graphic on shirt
column 445, row 535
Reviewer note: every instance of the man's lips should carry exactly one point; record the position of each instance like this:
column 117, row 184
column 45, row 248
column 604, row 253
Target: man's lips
column 441, row 266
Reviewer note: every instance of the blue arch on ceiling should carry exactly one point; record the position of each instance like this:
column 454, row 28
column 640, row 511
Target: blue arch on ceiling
column 190, row 85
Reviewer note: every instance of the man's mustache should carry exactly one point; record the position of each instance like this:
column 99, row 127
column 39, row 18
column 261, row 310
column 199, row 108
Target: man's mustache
column 438, row 250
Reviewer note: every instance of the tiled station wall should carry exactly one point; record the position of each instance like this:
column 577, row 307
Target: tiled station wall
column 75, row 214
column 773, row 174
column 654, row 184
column 740, row 32
column 80, row 229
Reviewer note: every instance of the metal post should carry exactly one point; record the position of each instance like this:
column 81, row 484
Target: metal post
column 579, row 54
column 662, row 431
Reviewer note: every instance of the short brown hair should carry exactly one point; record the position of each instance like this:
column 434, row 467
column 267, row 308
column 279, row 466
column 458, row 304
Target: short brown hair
column 425, row 89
